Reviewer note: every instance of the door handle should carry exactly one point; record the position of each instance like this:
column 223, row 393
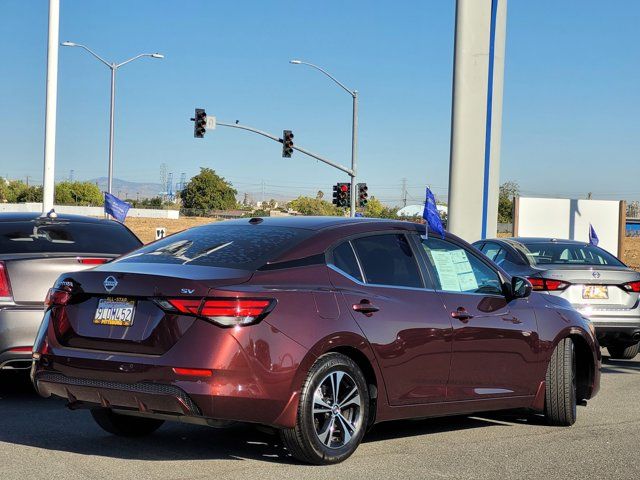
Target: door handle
column 365, row 307
column 461, row 314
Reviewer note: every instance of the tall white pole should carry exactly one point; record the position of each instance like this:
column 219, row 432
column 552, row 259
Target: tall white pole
column 111, row 120
column 476, row 123
column 51, row 106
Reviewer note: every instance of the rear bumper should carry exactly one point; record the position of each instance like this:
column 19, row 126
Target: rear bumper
column 143, row 397
column 248, row 382
column 609, row 333
column 18, row 328
column 615, row 326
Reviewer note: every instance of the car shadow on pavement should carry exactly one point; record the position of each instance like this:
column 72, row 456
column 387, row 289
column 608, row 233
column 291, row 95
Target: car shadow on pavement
column 610, row 365
column 46, row 423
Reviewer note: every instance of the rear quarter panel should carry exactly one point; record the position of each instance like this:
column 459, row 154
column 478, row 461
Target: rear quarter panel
column 314, row 315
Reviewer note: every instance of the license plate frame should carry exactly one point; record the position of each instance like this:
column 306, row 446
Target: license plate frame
column 115, row 312
column 595, row 292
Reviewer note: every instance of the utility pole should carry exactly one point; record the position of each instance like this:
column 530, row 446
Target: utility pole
column 404, row 192
column 27, row 181
column 262, row 198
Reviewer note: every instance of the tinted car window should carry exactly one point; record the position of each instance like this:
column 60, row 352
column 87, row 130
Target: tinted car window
column 459, row 270
column 345, row 260
column 553, row 253
column 60, row 236
column 491, row 250
column 388, row 260
column 245, row 247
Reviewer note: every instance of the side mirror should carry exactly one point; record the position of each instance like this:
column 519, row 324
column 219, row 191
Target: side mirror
column 520, row 287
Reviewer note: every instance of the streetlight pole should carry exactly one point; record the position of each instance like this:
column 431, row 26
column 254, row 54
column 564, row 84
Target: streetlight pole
column 354, row 130
column 113, row 66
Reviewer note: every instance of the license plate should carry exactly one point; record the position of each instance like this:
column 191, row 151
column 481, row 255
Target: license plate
column 595, row 292
column 115, row 311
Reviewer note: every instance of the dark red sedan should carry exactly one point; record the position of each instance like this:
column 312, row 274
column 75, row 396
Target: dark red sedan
column 319, row 327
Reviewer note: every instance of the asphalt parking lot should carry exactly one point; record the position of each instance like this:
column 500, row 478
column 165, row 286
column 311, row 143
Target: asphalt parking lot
column 41, row 439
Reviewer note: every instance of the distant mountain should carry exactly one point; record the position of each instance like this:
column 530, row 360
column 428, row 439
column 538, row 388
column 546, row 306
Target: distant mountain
column 125, row 189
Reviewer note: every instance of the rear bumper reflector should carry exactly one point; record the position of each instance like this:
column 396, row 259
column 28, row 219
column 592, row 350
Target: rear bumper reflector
column 193, row 372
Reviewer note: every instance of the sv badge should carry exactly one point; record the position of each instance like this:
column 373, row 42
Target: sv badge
column 187, row 291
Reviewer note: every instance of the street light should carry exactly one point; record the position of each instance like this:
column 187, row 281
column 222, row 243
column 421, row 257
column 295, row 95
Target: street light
column 113, row 66
column 354, row 129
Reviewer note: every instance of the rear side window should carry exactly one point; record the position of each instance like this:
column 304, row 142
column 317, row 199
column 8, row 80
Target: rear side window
column 552, row 253
column 344, row 259
column 71, row 237
column 491, row 250
column 388, row 260
column 244, row 247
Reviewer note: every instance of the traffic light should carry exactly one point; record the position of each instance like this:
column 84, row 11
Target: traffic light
column 363, row 195
column 287, row 143
column 199, row 123
column 342, row 194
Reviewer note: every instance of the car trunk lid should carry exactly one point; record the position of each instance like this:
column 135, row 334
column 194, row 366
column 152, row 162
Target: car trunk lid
column 31, row 275
column 151, row 328
column 600, row 287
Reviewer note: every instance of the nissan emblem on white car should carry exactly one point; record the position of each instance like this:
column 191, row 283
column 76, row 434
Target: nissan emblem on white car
column 110, row 283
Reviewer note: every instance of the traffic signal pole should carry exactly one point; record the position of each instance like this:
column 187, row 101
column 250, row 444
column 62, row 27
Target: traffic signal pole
column 348, row 171
column 354, row 153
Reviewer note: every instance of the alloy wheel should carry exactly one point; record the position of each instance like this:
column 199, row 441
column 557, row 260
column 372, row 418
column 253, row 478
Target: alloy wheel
column 337, row 409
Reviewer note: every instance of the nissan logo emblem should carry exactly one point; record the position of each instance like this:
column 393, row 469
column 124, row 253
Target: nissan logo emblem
column 110, row 283
column 596, row 274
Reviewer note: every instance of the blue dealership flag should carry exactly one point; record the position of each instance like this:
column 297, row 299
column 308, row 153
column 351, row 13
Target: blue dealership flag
column 593, row 238
column 115, row 207
column 431, row 214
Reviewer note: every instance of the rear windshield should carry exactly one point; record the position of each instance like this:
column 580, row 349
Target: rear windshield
column 568, row 254
column 245, row 247
column 65, row 237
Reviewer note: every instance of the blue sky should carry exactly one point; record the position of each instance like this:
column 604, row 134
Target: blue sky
column 571, row 101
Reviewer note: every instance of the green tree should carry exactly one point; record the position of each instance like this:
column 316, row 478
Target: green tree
column 32, row 193
column 208, row 191
column 508, row 190
column 78, row 193
column 4, row 190
column 314, row 206
column 376, row 209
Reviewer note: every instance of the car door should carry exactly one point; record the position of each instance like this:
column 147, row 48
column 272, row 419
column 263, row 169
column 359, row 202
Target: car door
column 399, row 312
column 494, row 339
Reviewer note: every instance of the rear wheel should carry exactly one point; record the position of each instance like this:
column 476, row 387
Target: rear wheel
column 560, row 395
column 124, row 425
column 332, row 413
column 623, row 352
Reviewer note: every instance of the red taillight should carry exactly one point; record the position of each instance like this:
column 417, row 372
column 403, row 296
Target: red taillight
column 56, row 298
column 92, row 261
column 226, row 312
column 632, row 287
column 546, row 284
column 5, row 286
column 193, row 372
column 186, row 305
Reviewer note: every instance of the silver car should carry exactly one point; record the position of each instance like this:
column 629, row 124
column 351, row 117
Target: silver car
column 595, row 282
column 34, row 251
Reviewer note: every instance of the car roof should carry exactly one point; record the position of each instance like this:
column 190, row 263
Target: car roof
column 60, row 217
column 523, row 240
column 316, row 223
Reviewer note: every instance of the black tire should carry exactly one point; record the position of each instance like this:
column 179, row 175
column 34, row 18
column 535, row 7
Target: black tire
column 560, row 394
column 305, row 442
column 124, row 425
column 623, row 352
